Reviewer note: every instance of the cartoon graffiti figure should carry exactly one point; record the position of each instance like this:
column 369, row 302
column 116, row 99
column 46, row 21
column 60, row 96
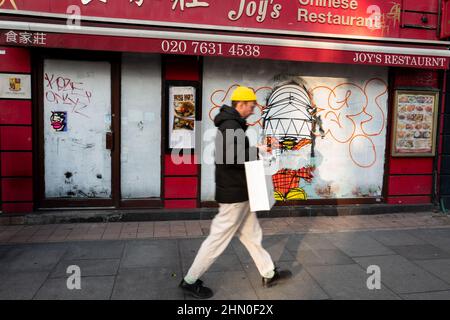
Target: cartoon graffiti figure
column 289, row 123
column 286, row 183
column 58, row 121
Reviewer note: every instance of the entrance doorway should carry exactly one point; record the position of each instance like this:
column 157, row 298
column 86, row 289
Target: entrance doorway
column 78, row 153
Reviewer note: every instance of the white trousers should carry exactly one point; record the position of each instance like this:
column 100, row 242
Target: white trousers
column 234, row 218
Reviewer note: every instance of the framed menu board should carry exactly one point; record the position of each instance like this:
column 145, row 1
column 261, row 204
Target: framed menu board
column 415, row 123
column 182, row 115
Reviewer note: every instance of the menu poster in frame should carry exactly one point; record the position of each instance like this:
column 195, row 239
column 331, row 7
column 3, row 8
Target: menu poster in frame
column 415, row 123
column 182, row 116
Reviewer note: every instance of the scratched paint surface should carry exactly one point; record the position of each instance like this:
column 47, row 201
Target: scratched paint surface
column 352, row 104
column 141, row 126
column 77, row 163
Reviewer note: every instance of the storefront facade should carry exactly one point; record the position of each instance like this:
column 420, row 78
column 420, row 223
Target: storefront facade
column 94, row 115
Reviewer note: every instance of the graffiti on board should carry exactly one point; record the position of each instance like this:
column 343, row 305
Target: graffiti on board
column 347, row 116
column 63, row 90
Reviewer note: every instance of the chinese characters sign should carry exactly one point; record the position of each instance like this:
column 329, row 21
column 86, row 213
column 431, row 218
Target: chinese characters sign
column 25, row 38
column 377, row 18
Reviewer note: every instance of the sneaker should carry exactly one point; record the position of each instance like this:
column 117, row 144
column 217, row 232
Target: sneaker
column 196, row 290
column 279, row 276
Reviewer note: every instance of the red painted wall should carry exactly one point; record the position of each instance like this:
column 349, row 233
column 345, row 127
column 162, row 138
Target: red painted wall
column 410, row 180
column 16, row 166
column 185, row 68
column 412, row 23
column 420, row 5
column 181, row 183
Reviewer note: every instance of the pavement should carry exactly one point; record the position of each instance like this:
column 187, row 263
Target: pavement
column 329, row 258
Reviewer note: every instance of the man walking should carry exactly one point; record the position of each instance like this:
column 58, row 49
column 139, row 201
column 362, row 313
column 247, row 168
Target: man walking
column 234, row 217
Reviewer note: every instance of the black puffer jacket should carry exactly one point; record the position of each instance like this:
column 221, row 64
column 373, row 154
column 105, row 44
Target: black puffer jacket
column 231, row 183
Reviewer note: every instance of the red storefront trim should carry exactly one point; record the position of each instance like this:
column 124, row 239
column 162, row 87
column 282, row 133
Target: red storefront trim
column 381, row 19
column 225, row 45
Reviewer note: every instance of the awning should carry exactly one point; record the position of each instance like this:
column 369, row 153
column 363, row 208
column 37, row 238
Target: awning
column 221, row 44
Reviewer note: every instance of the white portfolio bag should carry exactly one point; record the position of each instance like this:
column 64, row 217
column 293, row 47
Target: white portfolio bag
column 260, row 186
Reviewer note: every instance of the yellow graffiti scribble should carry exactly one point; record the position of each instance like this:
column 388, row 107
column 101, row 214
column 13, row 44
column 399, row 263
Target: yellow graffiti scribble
column 391, row 17
column 395, row 13
column 293, row 194
column 13, row 3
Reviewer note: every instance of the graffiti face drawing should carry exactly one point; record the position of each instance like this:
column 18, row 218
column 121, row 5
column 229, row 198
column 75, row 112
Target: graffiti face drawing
column 58, row 121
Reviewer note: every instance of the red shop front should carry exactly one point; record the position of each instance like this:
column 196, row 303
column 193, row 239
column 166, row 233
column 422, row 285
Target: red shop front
column 98, row 97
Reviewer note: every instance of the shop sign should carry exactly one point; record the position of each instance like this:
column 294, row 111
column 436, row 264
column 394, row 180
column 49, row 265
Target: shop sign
column 25, row 38
column 399, row 60
column 15, row 86
column 235, row 47
column 374, row 18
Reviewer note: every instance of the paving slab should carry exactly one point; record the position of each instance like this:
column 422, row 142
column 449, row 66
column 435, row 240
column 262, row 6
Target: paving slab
column 21, row 258
column 423, row 251
column 437, row 237
column 92, row 288
column 88, row 268
column 323, row 257
column 148, row 284
column 150, row 253
column 358, row 244
column 402, row 275
column 4, row 250
column 300, row 287
column 439, row 232
column 95, row 250
column 439, row 267
column 21, row 286
column 309, row 242
column 436, row 295
column 348, row 282
column 395, row 238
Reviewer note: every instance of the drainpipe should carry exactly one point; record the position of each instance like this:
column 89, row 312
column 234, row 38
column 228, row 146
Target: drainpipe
column 437, row 171
column 440, row 13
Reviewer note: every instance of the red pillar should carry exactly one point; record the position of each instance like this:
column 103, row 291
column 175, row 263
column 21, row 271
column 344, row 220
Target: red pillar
column 181, row 182
column 16, row 168
column 410, row 179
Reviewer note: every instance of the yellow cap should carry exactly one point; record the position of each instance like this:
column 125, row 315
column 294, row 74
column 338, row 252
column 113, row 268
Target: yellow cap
column 243, row 94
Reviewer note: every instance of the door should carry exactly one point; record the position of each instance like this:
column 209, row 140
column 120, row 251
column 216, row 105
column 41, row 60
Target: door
column 445, row 164
column 77, row 134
